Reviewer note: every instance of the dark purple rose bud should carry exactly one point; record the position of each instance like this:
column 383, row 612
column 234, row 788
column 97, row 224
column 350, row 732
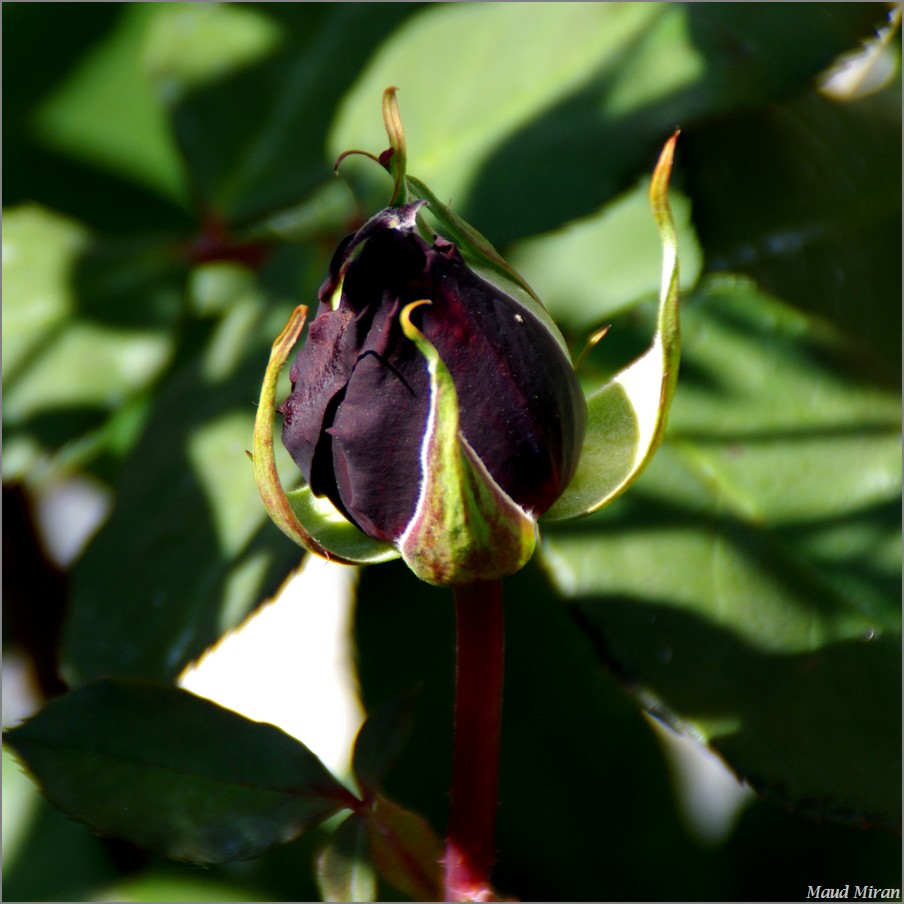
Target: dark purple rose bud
column 429, row 406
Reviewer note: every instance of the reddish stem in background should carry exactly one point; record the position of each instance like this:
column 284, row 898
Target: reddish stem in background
column 470, row 849
column 215, row 243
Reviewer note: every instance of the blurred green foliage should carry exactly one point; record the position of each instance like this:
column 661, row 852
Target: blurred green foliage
column 169, row 197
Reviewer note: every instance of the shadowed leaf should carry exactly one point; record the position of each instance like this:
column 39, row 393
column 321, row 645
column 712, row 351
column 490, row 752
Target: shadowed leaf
column 175, row 773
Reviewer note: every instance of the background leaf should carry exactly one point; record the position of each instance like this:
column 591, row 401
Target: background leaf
column 175, row 773
column 381, row 740
column 590, row 109
column 106, row 113
column 192, row 454
column 598, row 266
column 749, row 632
column 89, row 333
column 253, row 133
column 814, row 214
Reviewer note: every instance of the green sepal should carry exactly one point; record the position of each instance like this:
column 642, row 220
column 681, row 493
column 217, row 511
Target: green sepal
column 345, row 869
column 313, row 524
column 465, row 528
column 335, row 533
column 405, row 850
column 626, row 417
column 381, row 837
column 398, row 160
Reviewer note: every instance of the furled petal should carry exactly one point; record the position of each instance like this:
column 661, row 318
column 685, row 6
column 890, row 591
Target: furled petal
column 377, row 437
column 522, row 409
column 377, row 429
column 318, row 378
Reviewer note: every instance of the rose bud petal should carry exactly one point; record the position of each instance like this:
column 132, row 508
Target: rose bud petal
column 362, row 416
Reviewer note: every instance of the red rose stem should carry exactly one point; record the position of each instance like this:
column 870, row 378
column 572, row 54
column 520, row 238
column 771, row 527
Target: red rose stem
column 470, row 849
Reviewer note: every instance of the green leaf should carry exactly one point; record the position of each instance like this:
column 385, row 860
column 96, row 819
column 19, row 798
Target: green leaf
column 189, row 45
column 595, row 268
column 581, row 94
column 626, row 417
column 748, row 588
column 344, row 868
column 491, row 97
column 405, row 850
column 815, row 207
column 381, row 740
column 46, row 857
column 188, row 550
column 174, row 773
column 106, row 112
column 86, row 333
column 251, row 120
column 170, row 886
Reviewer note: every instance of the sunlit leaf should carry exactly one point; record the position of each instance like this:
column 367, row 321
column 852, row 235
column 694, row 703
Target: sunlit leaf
column 39, row 252
column 559, row 106
column 106, row 112
column 192, row 44
column 748, row 587
column 86, row 331
column 595, row 268
column 186, row 497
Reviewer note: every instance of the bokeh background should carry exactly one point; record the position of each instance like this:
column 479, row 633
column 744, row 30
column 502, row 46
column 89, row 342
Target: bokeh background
column 168, row 198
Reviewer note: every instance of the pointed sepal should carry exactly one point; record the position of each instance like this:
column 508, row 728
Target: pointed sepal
column 465, row 528
column 312, row 523
column 626, row 418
